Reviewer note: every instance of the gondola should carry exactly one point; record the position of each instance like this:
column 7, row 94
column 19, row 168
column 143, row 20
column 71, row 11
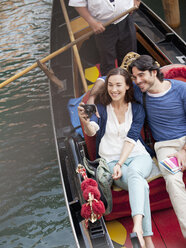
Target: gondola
column 162, row 43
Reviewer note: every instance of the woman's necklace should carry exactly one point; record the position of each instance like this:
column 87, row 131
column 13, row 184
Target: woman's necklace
column 120, row 120
column 120, row 113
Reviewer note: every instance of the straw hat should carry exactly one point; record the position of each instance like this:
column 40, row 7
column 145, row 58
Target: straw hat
column 128, row 59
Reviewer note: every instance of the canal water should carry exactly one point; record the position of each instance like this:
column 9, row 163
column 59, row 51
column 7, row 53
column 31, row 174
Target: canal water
column 32, row 207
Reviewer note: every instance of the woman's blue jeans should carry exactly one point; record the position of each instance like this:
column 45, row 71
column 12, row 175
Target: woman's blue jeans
column 134, row 172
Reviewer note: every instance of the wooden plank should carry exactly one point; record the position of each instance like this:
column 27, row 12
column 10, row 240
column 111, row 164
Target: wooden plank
column 172, row 12
column 123, row 227
column 167, row 224
column 165, row 227
column 151, row 50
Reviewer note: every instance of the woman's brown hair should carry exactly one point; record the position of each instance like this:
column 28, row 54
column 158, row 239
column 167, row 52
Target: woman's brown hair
column 104, row 98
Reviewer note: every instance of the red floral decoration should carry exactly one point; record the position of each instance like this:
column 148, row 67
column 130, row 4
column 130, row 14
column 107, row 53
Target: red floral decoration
column 88, row 182
column 94, row 208
column 93, row 190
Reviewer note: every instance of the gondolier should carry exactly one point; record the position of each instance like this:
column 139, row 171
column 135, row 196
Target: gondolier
column 117, row 39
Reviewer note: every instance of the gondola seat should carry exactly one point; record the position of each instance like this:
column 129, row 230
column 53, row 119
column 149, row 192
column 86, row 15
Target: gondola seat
column 159, row 198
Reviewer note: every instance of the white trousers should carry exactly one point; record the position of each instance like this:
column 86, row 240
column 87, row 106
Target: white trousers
column 174, row 182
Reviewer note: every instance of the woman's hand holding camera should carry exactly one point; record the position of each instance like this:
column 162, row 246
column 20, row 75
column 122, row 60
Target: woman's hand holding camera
column 85, row 111
column 82, row 114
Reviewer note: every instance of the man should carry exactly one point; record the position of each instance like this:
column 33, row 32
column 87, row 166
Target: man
column 117, row 39
column 165, row 99
column 165, row 102
column 166, row 115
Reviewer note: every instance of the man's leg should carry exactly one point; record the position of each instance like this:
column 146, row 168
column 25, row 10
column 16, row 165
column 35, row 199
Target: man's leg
column 174, row 183
column 127, row 38
column 106, row 45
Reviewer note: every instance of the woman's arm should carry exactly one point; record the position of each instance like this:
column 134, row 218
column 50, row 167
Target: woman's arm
column 137, row 122
column 94, row 92
column 132, row 136
column 126, row 150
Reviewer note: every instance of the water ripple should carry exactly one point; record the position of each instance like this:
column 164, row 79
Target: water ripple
column 32, row 208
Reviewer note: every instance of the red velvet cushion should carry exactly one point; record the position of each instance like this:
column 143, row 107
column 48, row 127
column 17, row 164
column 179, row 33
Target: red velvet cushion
column 176, row 71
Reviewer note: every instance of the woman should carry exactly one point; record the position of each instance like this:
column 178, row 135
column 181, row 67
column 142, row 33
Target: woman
column 118, row 132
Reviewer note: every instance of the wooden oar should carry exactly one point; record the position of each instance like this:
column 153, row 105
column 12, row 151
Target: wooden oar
column 50, row 74
column 61, row 50
column 76, row 52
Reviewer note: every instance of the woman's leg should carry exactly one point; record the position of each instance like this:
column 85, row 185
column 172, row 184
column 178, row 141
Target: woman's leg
column 137, row 228
column 148, row 242
column 134, row 172
column 139, row 168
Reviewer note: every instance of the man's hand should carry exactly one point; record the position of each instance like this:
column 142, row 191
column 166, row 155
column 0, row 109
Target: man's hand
column 97, row 113
column 97, row 27
column 181, row 157
column 137, row 3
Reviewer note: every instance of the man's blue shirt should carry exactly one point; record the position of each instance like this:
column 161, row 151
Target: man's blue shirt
column 166, row 114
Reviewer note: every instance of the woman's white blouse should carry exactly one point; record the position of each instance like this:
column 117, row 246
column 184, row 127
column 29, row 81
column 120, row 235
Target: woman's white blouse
column 115, row 134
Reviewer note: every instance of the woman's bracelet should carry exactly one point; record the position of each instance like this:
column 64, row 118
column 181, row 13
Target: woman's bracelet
column 120, row 165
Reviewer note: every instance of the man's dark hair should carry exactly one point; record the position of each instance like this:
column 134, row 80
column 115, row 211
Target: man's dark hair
column 146, row 63
column 104, row 98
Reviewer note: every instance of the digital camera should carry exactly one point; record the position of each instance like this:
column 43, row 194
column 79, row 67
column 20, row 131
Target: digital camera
column 90, row 109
